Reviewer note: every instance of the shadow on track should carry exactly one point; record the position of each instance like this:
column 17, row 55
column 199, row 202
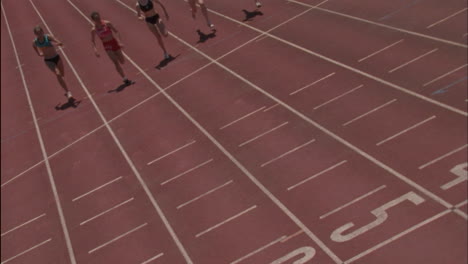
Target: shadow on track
column 120, row 88
column 204, row 37
column 250, row 15
column 165, row 62
column 71, row 103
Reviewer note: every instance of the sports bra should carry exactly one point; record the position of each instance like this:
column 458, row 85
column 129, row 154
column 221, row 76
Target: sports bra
column 46, row 42
column 147, row 7
column 104, row 31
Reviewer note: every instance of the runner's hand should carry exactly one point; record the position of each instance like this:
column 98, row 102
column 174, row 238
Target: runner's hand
column 141, row 18
column 97, row 54
column 121, row 45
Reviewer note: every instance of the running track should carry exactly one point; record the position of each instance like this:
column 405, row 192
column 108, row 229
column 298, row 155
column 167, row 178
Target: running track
column 320, row 132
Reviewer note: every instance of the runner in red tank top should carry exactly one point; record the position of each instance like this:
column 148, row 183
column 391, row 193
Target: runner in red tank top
column 105, row 31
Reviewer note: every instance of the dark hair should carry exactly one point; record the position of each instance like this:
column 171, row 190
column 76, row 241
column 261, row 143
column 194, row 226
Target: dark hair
column 94, row 15
column 37, row 29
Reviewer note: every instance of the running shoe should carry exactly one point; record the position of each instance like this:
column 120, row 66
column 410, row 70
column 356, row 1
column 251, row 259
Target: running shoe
column 258, row 4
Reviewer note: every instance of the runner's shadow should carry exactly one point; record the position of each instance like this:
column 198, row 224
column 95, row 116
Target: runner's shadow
column 120, row 88
column 250, row 15
column 165, row 62
column 65, row 106
column 204, row 37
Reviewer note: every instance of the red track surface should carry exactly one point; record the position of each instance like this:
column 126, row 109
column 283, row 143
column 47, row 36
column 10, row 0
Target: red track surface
column 337, row 137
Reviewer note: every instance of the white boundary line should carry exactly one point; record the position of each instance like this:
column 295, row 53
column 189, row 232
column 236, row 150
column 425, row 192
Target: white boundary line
column 258, row 250
column 226, row 221
column 316, row 175
column 23, row 224
column 377, row 52
column 442, row 157
column 124, row 153
column 26, row 251
column 117, row 238
column 450, row 16
column 106, row 211
column 43, row 150
column 413, row 60
column 97, row 188
column 342, row 65
column 369, row 112
column 172, row 152
column 405, row 130
column 204, row 194
column 385, row 26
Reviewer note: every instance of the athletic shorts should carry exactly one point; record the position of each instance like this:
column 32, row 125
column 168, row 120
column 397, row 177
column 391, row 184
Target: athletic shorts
column 52, row 62
column 111, row 45
column 153, row 19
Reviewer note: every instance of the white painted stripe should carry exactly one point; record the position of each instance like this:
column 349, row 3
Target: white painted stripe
column 96, row 189
column 58, row 204
column 370, row 112
column 22, row 173
column 413, row 60
column 265, row 190
column 292, row 236
column 187, row 171
column 338, row 97
column 445, row 74
column 117, row 238
column 405, row 130
column 243, row 117
column 226, row 221
column 377, row 52
column 125, row 154
column 153, row 258
column 26, row 251
column 317, row 174
column 258, row 250
column 23, row 224
column 287, row 153
column 263, row 134
column 461, row 213
column 384, row 26
column 445, row 19
column 172, row 152
column 271, row 107
column 352, row 202
column 396, row 237
column 461, row 204
column 442, row 157
column 350, row 68
column 106, row 211
column 313, row 83
column 205, row 194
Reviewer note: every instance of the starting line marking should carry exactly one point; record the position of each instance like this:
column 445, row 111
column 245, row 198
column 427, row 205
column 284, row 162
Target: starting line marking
column 225, row 221
column 317, row 174
column 311, row 84
column 258, row 250
column 444, row 19
column 292, row 236
column 377, row 52
column 263, row 134
column 287, row 153
column 413, row 60
column 406, row 130
column 153, row 258
column 26, row 251
column 442, row 157
column 187, row 171
column 338, row 97
column 106, row 211
column 172, row 152
column 98, row 188
column 205, row 194
column 117, row 238
column 243, row 117
column 370, row 112
column 443, row 75
column 21, row 225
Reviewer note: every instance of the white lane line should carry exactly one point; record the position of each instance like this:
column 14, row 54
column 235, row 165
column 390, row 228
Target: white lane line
column 262, row 134
column 153, row 258
column 338, row 97
column 317, row 174
column 258, row 250
column 53, row 155
column 26, row 251
column 383, row 25
column 292, row 236
column 350, row 68
column 353, row 201
column 243, row 117
column 187, row 171
column 377, row 52
column 442, row 157
column 226, row 221
column 444, row 19
column 117, row 238
column 405, row 130
column 271, row 107
column 63, row 223
column 413, row 60
column 172, row 152
column 396, row 237
column 443, row 75
column 461, row 213
column 461, row 204
column 97, row 188
column 287, row 153
column 205, row 194
column 23, row 224
column 313, row 83
column 370, row 112
column 124, row 152
column 106, row 211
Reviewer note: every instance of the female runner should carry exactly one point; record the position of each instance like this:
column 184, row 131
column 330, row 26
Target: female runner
column 193, row 7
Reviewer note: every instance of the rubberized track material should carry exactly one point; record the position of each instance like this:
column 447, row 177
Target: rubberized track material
column 309, row 131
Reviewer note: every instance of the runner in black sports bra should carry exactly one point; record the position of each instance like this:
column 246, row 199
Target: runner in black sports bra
column 153, row 21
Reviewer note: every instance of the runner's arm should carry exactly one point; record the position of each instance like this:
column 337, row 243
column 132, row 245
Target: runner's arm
column 93, row 41
column 37, row 50
column 163, row 8
column 54, row 39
